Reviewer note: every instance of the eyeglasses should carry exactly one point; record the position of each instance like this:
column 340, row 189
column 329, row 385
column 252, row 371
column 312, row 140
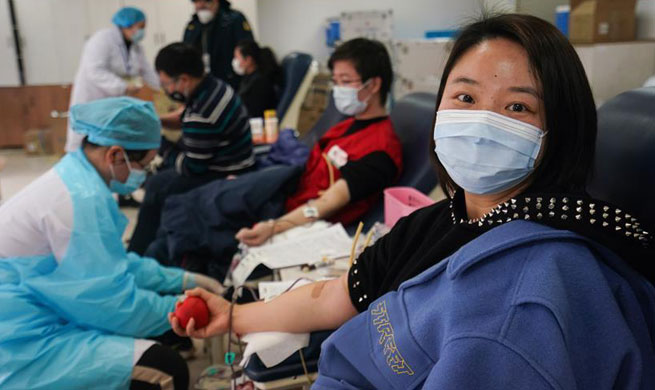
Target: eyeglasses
column 344, row 83
column 150, row 167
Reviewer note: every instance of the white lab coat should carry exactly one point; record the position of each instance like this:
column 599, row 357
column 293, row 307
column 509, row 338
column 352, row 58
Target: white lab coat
column 104, row 67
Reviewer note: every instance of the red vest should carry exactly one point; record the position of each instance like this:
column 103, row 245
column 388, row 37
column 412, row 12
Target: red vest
column 378, row 136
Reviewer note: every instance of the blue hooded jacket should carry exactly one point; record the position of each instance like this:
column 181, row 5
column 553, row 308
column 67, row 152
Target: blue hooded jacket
column 523, row 306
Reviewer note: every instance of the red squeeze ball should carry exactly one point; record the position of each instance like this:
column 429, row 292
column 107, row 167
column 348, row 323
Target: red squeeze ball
column 193, row 307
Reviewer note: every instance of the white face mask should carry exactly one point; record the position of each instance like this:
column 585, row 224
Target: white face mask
column 237, row 68
column 346, row 100
column 205, row 16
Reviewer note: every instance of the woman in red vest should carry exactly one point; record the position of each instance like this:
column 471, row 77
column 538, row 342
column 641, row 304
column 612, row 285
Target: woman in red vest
column 356, row 159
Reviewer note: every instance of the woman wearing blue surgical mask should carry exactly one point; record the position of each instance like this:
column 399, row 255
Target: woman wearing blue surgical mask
column 519, row 279
column 76, row 305
column 113, row 63
column 512, row 282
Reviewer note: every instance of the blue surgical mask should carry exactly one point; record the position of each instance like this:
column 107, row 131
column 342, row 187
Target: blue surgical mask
column 138, row 35
column 485, row 152
column 133, row 182
column 346, row 100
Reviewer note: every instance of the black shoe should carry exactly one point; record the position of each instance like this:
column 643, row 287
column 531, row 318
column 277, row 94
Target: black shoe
column 183, row 345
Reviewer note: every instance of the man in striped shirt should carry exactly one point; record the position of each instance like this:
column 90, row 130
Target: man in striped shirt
column 216, row 139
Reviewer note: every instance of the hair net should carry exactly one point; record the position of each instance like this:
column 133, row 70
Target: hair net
column 127, row 16
column 123, row 121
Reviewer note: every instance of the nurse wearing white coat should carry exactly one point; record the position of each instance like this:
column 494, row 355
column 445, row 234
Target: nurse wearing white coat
column 109, row 58
column 76, row 307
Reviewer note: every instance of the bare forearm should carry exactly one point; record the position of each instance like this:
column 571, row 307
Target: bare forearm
column 317, row 306
column 328, row 204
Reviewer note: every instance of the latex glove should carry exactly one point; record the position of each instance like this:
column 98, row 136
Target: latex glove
column 192, row 280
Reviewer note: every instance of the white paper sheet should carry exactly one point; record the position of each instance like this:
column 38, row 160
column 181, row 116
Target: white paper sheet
column 244, row 269
column 273, row 347
column 309, row 248
column 301, row 245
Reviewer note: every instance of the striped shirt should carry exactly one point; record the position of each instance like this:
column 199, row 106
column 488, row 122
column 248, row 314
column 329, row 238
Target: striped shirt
column 215, row 131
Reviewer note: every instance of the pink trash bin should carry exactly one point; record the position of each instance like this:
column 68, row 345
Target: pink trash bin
column 402, row 201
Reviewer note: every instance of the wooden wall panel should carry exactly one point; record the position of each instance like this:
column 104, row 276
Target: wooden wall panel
column 25, row 108
column 28, row 108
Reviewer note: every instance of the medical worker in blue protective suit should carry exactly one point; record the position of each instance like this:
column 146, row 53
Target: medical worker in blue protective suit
column 113, row 63
column 76, row 308
column 519, row 280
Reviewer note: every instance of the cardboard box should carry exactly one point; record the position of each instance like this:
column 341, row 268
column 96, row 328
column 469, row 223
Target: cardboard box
column 39, row 142
column 307, row 119
column 594, row 21
column 315, row 102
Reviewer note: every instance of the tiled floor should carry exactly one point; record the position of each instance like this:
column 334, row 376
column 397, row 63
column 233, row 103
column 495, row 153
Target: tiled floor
column 19, row 170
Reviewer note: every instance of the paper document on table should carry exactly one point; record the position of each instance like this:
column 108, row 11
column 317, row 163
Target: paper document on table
column 309, row 248
column 245, row 267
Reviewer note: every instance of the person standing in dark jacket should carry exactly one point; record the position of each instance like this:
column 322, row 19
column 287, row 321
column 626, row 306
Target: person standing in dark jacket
column 261, row 76
column 215, row 29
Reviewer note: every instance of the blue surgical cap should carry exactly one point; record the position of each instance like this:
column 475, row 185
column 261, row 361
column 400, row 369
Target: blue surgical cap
column 123, row 121
column 127, row 16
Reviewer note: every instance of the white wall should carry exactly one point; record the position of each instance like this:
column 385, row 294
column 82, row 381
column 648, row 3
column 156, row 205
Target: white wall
column 8, row 64
column 500, row 5
column 298, row 25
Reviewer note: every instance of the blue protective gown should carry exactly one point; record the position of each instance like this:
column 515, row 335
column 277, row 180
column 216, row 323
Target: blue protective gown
column 523, row 306
column 72, row 324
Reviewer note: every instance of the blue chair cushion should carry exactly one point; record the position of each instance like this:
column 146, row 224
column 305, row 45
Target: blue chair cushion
column 294, row 69
column 624, row 163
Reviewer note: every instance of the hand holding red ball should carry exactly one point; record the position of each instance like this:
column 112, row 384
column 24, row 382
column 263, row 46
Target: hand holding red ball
column 201, row 315
column 192, row 307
